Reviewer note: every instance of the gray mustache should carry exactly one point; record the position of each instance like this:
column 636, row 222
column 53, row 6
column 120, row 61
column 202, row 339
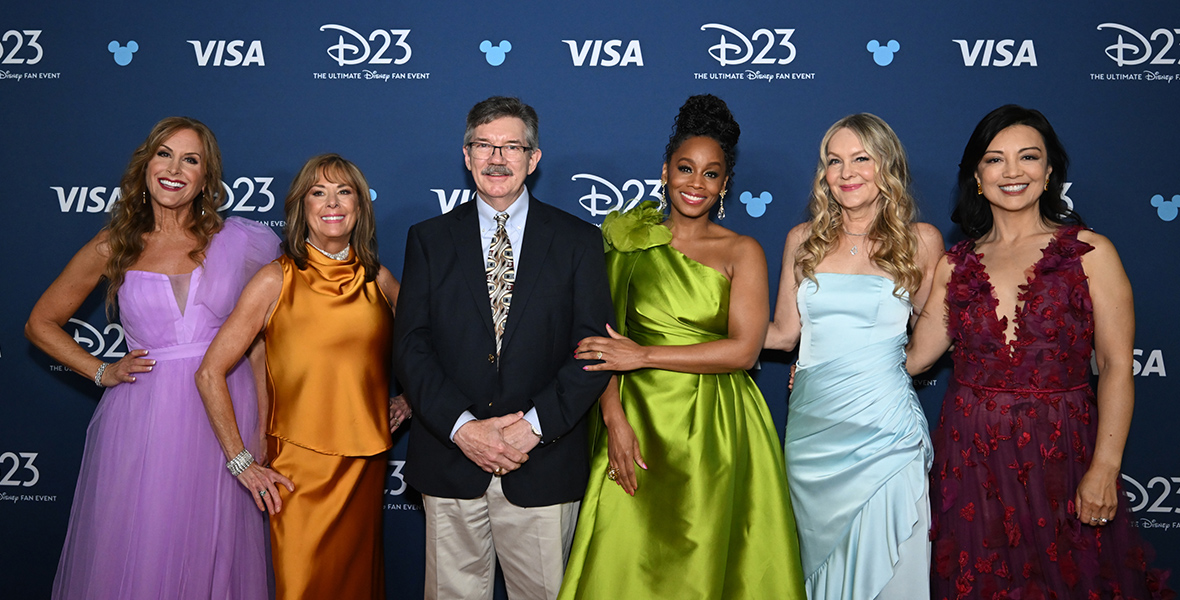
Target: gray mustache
column 496, row 170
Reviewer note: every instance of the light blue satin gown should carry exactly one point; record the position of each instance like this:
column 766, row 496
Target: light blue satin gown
column 857, row 444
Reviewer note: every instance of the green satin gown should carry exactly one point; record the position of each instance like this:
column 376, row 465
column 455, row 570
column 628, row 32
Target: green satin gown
column 712, row 516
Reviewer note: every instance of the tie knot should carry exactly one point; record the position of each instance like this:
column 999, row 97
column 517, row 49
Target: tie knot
column 500, row 218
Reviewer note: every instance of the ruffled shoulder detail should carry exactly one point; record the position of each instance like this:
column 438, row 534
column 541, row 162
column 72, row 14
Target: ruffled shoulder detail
column 637, row 229
column 235, row 254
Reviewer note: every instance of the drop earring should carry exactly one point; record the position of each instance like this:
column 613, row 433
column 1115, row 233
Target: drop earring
column 145, row 197
column 1046, row 184
column 663, row 199
column 978, row 187
column 721, row 206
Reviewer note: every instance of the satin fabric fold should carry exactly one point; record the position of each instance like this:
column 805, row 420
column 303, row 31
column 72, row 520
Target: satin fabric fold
column 858, row 453
column 329, row 347
column 711, row 517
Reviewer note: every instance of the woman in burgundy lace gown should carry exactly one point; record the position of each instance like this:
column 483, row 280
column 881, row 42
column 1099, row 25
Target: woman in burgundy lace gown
column 1025, row 490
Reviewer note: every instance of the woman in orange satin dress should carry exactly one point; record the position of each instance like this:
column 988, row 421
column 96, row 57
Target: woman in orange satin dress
column 325, row 311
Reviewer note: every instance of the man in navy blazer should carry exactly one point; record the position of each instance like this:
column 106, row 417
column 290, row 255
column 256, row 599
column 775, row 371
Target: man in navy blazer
column 498, row 444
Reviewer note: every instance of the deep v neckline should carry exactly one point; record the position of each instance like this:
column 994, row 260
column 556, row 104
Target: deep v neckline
column 1023, row 293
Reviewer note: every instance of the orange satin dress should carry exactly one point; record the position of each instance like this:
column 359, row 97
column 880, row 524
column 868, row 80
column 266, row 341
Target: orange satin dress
column 328, row 352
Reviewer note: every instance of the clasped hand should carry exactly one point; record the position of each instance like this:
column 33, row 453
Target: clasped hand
column 617, row 352
column 498, row 445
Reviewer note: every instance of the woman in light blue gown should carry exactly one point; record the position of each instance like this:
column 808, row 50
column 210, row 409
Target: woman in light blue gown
column 857, row 443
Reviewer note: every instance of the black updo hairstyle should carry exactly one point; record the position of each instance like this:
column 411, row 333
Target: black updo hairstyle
column 972, row 211
column 706, row 115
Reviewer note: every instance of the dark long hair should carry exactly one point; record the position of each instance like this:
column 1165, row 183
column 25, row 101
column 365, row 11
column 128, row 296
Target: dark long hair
column 972, row 212
column 364, row 236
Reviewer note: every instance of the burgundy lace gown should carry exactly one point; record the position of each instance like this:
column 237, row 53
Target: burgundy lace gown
column 1014, row 440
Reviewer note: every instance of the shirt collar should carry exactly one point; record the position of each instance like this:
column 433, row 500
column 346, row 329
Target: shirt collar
column 518, row 211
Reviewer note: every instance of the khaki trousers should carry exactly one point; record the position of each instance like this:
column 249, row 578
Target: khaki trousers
column 465, row 537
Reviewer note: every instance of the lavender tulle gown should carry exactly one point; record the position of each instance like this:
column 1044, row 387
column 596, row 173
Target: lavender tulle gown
column 156, row 514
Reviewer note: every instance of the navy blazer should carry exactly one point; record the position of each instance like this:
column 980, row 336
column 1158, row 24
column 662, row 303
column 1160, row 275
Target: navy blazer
column 445, row 350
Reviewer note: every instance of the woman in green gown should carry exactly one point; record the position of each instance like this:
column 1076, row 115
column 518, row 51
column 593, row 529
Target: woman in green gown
column 688, row 494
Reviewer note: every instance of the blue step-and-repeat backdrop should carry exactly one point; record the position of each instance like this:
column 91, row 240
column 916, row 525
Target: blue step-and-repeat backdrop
column 387, row 84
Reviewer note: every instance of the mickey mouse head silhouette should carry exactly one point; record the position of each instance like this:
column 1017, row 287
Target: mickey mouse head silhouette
column 123, row 53
column 883, row 55
column 1166, row 209
column 495, row 54
column 756, row 205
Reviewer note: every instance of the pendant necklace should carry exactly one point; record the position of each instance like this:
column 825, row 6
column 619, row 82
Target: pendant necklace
column 854, row 246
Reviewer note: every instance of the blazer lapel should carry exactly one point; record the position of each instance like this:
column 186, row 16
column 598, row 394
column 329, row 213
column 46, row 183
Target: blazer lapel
column 465, row 234
column 538, row 235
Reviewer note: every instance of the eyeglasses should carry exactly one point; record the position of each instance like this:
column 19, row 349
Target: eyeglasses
column 510, row 152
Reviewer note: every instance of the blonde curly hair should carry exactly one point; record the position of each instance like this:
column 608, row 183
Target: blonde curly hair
column 896, row 242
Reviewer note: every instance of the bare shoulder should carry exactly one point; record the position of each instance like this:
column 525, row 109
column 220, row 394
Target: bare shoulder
column 798, row 234
column 746, row 253
column 1101, row 243
column 268, row 279
column 928, row 234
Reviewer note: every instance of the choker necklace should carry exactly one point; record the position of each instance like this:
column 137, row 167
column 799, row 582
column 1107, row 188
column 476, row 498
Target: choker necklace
column 341, row 255
column 846, row 232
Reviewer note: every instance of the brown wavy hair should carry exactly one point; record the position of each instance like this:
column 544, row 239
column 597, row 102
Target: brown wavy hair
column 891, row 229
column 132, row 216
column 364, row 236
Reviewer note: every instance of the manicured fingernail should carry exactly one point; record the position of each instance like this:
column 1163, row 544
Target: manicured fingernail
column 153, row 362
column 132, row 380
column 586, row 368
column 151, row 367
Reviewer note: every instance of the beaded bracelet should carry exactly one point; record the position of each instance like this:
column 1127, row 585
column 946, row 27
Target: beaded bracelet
column 98, row 374
column 237, row 465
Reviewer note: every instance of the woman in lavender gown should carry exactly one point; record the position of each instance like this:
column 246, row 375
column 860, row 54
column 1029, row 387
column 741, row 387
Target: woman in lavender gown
column 153, row 515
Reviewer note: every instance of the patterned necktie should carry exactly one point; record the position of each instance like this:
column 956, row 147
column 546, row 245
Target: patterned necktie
column 501, row 277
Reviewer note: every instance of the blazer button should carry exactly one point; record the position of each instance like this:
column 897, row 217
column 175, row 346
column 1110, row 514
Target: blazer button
column 492, row 358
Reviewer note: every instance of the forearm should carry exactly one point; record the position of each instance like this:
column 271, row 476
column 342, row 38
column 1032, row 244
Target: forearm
column 720, row 356
column 219, row 407
column 58, row 344
column 1116, row 403
column 611, row 404
column 779, row 338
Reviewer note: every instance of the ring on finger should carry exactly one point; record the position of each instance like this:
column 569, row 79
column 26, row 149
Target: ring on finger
column 1093, row 519
column 261, row 493
column 1104, row 521
column 600, row 355
column 498, row 472
column 612, row 473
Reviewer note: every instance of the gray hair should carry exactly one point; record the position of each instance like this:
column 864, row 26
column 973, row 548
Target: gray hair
column 498, row 107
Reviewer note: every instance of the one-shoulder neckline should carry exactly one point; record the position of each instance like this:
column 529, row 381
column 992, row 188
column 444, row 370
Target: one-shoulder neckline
column 697, row 262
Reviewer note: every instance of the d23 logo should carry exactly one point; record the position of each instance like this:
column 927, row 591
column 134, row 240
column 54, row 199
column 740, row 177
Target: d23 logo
column 1139, row 498
column 99, row 343
column 16, row 475
column 740, row 49
column 1142, row 49
column 357, row 50
column 612, row 198
column 982, row 50
column 395, row 472
column 219, row 49
column 243, row 205
column 13, row 42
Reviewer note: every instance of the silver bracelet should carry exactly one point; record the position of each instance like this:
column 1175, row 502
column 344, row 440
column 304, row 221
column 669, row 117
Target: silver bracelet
column 98, row 374
column 237, row 465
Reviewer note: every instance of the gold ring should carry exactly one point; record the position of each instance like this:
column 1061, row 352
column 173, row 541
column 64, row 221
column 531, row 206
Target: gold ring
column 612, row 473
column 498, row 472
column 397, row 422
column 599, row 355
